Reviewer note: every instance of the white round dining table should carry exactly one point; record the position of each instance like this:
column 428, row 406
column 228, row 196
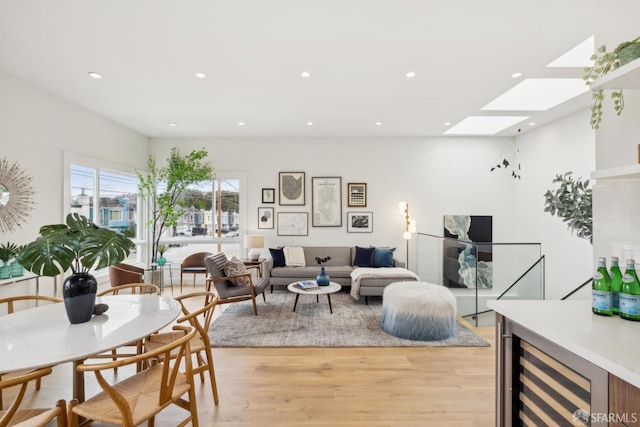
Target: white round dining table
column 43, row 336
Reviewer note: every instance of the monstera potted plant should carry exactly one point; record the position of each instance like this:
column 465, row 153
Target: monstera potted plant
column 79, row 245
column 603, row 63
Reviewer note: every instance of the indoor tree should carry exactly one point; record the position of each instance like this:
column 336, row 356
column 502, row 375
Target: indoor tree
column 164, row 188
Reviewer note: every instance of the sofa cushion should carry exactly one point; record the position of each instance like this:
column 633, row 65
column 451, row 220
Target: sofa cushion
column 364, row 257
column 383, row 257
column 235, row 267
column 278, row 257
column 340, row 255
column 297, row 273
column 294, row 256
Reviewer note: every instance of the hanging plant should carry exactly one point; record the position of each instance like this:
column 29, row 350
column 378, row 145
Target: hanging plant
column 572, row 202
column 603, row 63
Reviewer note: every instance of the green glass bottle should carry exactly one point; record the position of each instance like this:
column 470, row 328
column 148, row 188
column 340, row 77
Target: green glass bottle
column 601, row 297
column 616, row 283
column 630, row 293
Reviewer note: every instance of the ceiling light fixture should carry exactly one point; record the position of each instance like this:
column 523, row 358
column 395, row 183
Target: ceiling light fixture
column 532, row 124
column 516, row 75
column 305, row 74
column 173, row 124
column 201, row 75
column 309, row 123
column 95, row 75
column 411, row 74
column 240, row 123
column 378, row 123
column 447, row 123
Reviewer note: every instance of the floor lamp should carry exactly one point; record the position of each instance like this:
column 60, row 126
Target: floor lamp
column 409, row 225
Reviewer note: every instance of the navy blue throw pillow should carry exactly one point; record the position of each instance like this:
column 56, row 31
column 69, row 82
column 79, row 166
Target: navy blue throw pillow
column 278, row 257
column 364, row 257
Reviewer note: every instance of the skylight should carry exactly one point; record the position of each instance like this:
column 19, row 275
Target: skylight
column 484, row 125
column 578, row 56
column 537, row 95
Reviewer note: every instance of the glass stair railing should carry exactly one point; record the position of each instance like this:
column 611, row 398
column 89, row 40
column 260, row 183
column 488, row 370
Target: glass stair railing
column 477, row 272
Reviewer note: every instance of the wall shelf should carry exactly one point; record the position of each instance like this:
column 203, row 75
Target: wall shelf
column 625, row 77
column 622, row 172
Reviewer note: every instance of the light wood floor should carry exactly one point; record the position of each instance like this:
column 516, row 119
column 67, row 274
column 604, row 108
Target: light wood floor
column 400, row 386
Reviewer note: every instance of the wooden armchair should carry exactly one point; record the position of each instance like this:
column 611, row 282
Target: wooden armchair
column 30, row 417
column 194, row 264
column 122, row 274
column 228, row 291
column 142, row 396
column 201, row 320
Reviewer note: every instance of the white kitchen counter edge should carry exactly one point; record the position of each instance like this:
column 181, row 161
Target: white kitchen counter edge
column 610, row 343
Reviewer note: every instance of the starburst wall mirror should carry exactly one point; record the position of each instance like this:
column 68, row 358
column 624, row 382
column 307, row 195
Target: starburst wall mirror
column 16, row 196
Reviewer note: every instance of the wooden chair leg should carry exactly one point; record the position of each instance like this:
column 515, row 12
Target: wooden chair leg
column 255, row 306
column 212, row 375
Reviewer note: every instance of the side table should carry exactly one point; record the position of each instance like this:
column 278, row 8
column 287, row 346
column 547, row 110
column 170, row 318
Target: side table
column 254, row 263
column 155, row 266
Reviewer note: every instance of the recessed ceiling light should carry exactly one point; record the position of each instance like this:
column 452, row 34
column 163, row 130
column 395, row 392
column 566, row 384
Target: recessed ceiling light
column 447, row 123
column 484, row 125
column 532, row 124
column 172, row 124
column 579, row 56
column 240, row 123
column 305, row 74
column 378, row 123
column 537, row 95
column 516, row 75
column 95, row 75
column 309, row 123
column 411, row 74
column 201, row 75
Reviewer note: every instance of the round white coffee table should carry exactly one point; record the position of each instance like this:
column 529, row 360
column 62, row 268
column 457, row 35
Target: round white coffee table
column 320, row 290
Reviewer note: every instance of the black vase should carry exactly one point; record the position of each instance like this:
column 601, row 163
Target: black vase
column 79, row 292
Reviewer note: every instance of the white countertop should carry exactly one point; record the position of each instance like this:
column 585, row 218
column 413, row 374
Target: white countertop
column 611, row 343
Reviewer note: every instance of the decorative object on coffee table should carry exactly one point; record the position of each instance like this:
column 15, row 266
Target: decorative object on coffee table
column 322, row 279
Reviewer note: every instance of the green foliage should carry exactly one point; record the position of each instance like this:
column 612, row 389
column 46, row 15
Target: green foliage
column 572, row 202
column 605, row 62
column 8, row 251
column 180, row 172
column 162, row 249
column 78, row 245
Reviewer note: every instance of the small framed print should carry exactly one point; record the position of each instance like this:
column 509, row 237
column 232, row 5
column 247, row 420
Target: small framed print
column 293, row 223
column 359, row 222
column 265, row 218
column 291, row 188
column 357, row 195
column 268, row 195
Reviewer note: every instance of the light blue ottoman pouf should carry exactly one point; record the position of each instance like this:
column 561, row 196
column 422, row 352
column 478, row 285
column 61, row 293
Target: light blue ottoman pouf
column 418, row 311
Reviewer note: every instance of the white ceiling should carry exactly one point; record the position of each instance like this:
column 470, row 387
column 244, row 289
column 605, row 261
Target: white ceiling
column 253, row 51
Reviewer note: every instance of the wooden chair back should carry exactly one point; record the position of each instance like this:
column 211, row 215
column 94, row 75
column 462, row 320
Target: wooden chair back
column 143, row 395
column 200, row 320
column 11, row 301
column 132, row 288
column 14, row 415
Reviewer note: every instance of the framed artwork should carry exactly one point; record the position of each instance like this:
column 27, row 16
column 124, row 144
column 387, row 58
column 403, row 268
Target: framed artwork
column 326, row 197
column 293, row 223
column 359, row 222
column 471, row 235
column 291, row 188
column 265, row 218
column 268, row 195
column 357, row 195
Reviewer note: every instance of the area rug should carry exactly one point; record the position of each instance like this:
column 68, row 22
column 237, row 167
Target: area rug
column 352, row 324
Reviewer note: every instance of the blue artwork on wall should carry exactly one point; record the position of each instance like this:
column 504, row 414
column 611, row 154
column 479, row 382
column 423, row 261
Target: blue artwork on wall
column 467, row 252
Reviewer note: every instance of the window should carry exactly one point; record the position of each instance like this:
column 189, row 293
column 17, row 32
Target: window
column 104, row 194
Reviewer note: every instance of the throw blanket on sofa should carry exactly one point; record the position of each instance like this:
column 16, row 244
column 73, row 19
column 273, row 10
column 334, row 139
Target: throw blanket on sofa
column 361, row 273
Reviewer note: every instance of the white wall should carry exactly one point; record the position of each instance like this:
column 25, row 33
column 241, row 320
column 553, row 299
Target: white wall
column 436, row 176
column 36, row 128
column 567, row 145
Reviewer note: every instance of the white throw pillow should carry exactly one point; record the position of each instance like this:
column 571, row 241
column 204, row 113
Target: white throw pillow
column 294, row 257
column 235, row 267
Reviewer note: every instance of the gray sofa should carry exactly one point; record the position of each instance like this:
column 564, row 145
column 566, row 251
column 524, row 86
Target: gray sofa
column 339, row 269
